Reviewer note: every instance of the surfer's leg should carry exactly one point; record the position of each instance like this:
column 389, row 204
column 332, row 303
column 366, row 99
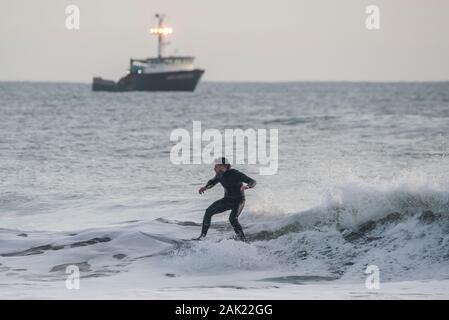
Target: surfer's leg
column 216, row 207
column 233, row 219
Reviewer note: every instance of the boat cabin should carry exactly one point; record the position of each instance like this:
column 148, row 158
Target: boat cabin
column 162, row 64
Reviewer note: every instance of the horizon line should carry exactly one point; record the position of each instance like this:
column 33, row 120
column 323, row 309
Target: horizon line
column 246, row 81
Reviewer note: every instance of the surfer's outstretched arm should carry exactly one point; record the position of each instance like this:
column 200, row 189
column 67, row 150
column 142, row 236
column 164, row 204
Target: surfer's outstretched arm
column 210, row 184
column 250, row 183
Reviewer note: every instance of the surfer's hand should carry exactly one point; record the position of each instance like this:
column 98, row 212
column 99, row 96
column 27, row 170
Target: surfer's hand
column 243, row 187
column 202, row 189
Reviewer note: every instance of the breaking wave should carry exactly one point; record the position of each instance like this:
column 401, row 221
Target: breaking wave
column 402, row 230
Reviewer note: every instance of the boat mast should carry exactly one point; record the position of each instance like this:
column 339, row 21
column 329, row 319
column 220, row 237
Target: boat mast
column 161, row 32
column 159, row 38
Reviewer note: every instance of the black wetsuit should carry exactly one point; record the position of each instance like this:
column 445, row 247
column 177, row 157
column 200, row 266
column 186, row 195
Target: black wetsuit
column 234, row 199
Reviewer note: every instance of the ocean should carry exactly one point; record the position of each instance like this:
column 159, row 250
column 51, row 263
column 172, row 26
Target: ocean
column 87, row 180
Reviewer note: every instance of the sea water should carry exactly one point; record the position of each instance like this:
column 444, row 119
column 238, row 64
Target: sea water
column 86, row 180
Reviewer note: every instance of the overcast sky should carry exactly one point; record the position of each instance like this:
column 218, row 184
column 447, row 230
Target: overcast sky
column 234, row 40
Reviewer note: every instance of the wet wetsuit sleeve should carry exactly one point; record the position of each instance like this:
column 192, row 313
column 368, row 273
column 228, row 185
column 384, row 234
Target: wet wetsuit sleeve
column 249, row 181
column 212, row 182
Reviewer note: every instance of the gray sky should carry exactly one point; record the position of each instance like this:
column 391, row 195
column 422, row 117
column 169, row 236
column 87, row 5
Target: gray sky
column 234, row 40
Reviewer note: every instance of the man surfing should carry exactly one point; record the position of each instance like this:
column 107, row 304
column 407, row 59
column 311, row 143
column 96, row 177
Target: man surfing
column 234, row 197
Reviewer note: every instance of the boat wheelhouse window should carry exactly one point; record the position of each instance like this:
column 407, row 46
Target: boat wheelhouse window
column 175, row 61
column 137, row 66
column 169, row 61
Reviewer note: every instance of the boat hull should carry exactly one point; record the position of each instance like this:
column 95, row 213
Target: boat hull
column 167, row 81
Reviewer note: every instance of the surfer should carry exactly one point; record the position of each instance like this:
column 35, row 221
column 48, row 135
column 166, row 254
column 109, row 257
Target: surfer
column 232, row 181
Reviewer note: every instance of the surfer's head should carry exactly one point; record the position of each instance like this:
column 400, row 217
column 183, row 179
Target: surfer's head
column 221, row 165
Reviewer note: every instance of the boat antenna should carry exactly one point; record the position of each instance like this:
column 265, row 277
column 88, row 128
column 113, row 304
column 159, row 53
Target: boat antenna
column 161, row 32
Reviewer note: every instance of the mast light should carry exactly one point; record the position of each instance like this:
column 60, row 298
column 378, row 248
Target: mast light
column 161, row 31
